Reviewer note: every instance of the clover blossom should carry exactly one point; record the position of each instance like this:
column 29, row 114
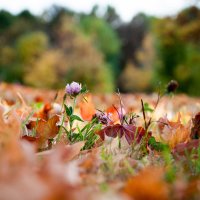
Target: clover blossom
column 104, row 118
column 73, row 89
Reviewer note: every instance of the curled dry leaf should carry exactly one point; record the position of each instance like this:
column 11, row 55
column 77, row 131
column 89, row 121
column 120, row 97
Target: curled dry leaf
column 45, row 130
column 172, row 132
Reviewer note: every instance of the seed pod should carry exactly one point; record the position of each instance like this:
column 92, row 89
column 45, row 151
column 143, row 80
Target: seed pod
column 172, row 86
column 195, row 131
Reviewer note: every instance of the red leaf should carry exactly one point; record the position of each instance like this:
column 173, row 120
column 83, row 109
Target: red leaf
column 130, row 132
column 181, row 149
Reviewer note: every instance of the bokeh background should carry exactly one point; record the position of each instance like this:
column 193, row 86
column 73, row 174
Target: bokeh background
column 101, row 45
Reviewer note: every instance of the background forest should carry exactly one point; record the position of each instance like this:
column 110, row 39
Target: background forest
column 101, row 50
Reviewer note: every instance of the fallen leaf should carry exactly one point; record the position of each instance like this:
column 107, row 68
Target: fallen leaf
column 131, row 132
column 87, row 109
column 43, row 113
column 47, row 129
column 183, row 148
column 148, row 184
column 44, row 130
column 113, row 113
column 67, row 152
column 173, row 132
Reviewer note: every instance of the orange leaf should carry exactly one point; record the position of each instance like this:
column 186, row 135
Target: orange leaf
column 47, row 129
column 30, row 138
column 44, row 130
column 114, row 114
column 43, row 113
column 87, row 109
column 174, row 132
column 148, row 184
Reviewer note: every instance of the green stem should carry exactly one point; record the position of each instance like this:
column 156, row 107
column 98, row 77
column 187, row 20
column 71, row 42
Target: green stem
column 71, row 122
column 63, row 120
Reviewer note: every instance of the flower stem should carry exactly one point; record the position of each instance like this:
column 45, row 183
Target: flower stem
column 71, row 122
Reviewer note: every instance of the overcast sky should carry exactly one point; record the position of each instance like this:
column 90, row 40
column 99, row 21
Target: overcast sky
column 126, row 8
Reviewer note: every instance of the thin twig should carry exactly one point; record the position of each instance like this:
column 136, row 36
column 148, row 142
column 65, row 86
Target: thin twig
column 144, row 115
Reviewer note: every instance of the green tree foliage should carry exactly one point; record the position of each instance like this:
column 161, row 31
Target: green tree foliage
column 6, row 20
column 43, row 74
column 103, row 38
column 11, row 29
column 30, row 46
column 60, row 51
column 101, row 33
column 100, row 50
column 178, row 50
column 72, row 57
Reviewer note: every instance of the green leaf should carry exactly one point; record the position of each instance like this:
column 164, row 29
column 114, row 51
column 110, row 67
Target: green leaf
column 158, row 146
column 170, row 175
column 84, row 89
column 68, row 110
column 65, row 129
column 38, row 105
column 147, row 108
column 75, row 117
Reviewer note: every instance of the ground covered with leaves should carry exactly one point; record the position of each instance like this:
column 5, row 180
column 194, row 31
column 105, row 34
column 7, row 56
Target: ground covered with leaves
column 76, row 145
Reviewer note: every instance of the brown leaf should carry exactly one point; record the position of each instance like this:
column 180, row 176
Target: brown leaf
column 47, row 129
column 174, row 132
column 67, row 152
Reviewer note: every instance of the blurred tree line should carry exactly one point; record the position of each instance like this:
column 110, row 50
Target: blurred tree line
column 100, row 50
column 178, row 47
